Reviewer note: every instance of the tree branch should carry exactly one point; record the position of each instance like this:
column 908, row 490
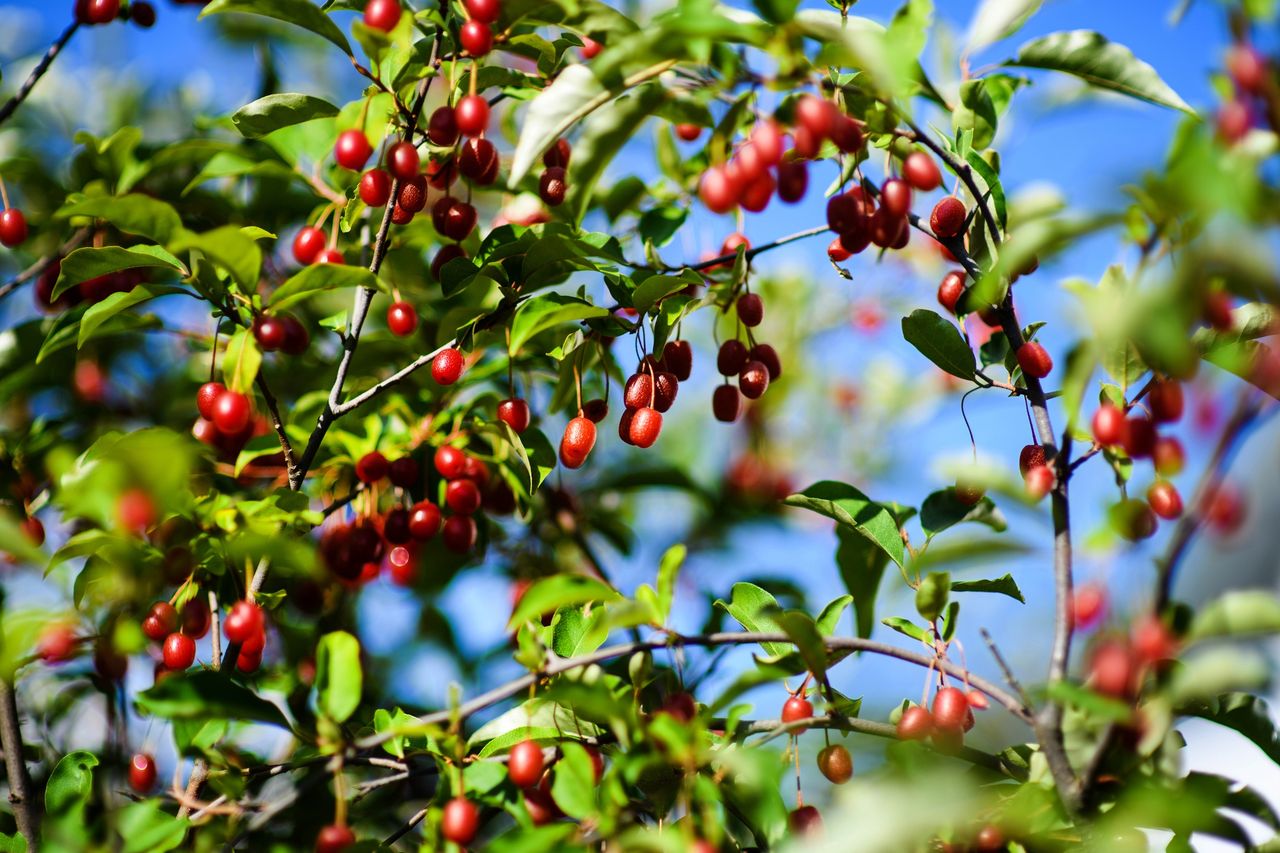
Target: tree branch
column 25, row 809
column 290, row 461
column 36, row 73
column 43, row 264
column 562, row 665
column 758, row 250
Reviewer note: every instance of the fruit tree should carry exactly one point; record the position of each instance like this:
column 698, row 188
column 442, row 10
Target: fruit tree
column 389, row 463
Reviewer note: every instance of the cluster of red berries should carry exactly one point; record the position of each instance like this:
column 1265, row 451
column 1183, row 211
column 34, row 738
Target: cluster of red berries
column 95, row 12
column 283, row 332
column 310, row 246
column 860, row 222
column 528, row 770
column 1118, row 663
column 946, row 724
column 762, row 166
column 226, row 419
column 1137, row 435
column 755, row 366
column 91, row 291
column 1251, row 74
column 177, row 634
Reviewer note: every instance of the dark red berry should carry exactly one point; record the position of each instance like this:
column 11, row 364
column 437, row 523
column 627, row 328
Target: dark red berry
column 1034, row 360
column 352, row 150
column 462, row 496
column 921, row 172
column 678, row 357
column 446, row 367
column 476, row 38
column 403, row 160
column 401, row 319
column 514, row 412
column 382, row 14
column 578, row 440
column 13, row 227
column 442, row 127
column 732, row 357
column 371, row 467
column 753, row 380
column 459, row 533
column 726, row 403
column 552, row 186
column 525, row 764
column 243, row 622
column 895, row 195
column 424, row 521
column 947, row 219
column 307, row 245
column 142, row 773
column 950, row 290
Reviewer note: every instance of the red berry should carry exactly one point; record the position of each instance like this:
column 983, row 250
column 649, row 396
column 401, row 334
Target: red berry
column 591, row 48
column 395, row 526
column 207, row 396
column 732, row 357
column 179, row 651
column 453, row 218
column 753, row 381
column 450, row 462
column 459, row 533
column 719, row 190
column 136, row 510
column 142, row 773
column 98, row 11
column 1139, row 437
column 444, row 256
column 13, row 227
column 552, row 186
column 1113, row 670
column 665, row 389
column 836, row 764
column 797, row 708
column 768, row 356
column 678, row 357
column 143, row 14
column 478, row 160
column 1224, row 509
column 1168, row 456
column 947, row 219
column 750, row 309
column 558, row 154
column 916, row 723
column 1034, row 360
column 1248, row 68
column 161, row 621
column 352, row 150
column 331, row 255
column 1031, row 456
column 921, row 172
column 846, row 134
column 1164, row 499
column 401, row 319
column 403, row 160
column 525, row 764
column 1108, row 425
column 484, row 11
column 335, row 837
column 404, row 472
column 688, row 132
column 56, row 644
column 476, row 38
column 726, row 403
column 951, row 710
column 382, row 14
column 514, row 412
column 793, row 180
column 243, row 622
column 307, row 245
column 296, row 337
column 371, row 467
column 989, row 839
column 472, row 114
column 646, row 424
column 196, row 618
column 462, row 496
column 1165, row 398
column 895, row 195
column 806, row 820
column 1040, row 480
column 837, row 252
column 950, row 290
column 816, row 115
column 231, row 412
column 638, row 392
column 578, row 440
column 442, row 127
column 446, row 367
column 1153, row 641
column 1088, row 605
column 595, row 410
column 680, row 706
column 411, row 198
column 424, row 521
column 1234, row 121
column 268, row 331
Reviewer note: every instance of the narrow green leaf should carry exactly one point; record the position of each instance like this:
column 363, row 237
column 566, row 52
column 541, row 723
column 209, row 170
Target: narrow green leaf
column 318, row 278
column 99, row 313
column 240, row 361
column 757, row 611
column 906, row 627
column 942, row 509
column 92, row 262
column 1237, row 613
column 550, row 594
column 602, row 137
column 668, row 570
column 998, row 19
column 134, row 214
column 862, row 566
column 850, row 507
column 231, row 248
column 206, row 694
column 546, row 311
column 298, row 12
column 1005, row 585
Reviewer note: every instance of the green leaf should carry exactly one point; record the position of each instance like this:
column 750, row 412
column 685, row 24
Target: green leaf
column 66, row 795
column 998, row 19
column 655, row 288
column 99, row 313
column 942, row 509
column 1084, row 698
column 1244, row 713
column 550, row 594
column 1216, row 671
column 147, row 828
column 975, row 112
column 1099, row 62
column 757, row 610
column 1005, row 585
column 134, row 214
column 989, row 182
column 574, row 785
column 932, row 595
column 907, row 628
column 546, row 311
column 939, row 341
column 800, row 627
column 298, row 12
column 207, row 694
column 14, row 543
column 862, row 566
column 575, row 633
column 602, row 137
column 339, row 677
column 829, row 619
column 658, row 225
column 318, row 278
column 280, row 110
column 231, row 248
column 1237, row 613
column 668, row 570
column 851, row 508
column 90, row 262
column 572, row 96
column 240, row 361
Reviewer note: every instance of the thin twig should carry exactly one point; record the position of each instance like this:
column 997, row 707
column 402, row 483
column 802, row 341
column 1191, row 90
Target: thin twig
column 406, row 829
column 44, row 263
column 277, row 423
column 1009, row 677
column 36, row 73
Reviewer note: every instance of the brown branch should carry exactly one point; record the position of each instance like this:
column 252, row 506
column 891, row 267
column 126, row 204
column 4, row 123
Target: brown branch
column 25, row 808
column 277, row 423
column 562, row 665
column 42, row 66
column 44, row 263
